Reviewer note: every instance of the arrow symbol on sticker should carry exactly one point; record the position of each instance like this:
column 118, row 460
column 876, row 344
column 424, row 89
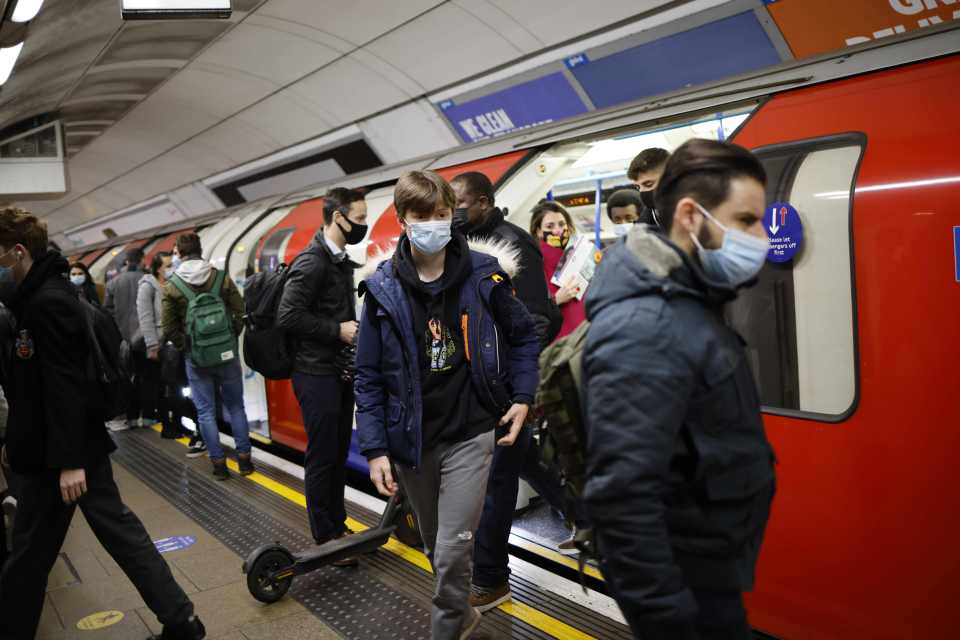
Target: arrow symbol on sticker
column 774, row 227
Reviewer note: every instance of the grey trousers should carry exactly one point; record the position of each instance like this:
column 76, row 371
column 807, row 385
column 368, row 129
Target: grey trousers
column 447, row 493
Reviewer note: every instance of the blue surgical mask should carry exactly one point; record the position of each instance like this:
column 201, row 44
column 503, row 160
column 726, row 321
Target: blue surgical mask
column 739, row 258
column 8, row 282
column 168, row 272
column 175, row 262
column 622, row 230
column 78, row 280
column 429, row 237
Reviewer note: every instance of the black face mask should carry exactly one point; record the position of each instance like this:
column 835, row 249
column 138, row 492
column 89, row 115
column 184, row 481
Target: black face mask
column 461, row 218
column 646, row 197
column 356, row 234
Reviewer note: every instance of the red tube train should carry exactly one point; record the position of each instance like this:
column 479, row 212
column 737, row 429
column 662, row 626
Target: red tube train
column 854, row 342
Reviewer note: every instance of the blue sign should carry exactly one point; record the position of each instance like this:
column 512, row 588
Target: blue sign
column 529, row 104
column 577, row 60
column 785, row 230
column 176, row 543
column 711, row 52
column 956, row 253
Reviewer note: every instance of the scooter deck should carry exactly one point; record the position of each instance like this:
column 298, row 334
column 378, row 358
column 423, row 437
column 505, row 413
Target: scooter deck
column 349, row 545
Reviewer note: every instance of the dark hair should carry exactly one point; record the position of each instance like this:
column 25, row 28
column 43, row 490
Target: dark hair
column 53, row 246
column 339, row 199
column 477, row 184
column 702, row 169
column 423, row 192
column 647, row 160
column 188, row 244
column 18, row 226
column 624, row 198
column 540, row 211
column 134, row 256
column 156, row 263
column 82, row 267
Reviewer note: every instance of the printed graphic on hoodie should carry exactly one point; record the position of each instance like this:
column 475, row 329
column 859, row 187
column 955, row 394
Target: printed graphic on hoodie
column 441, row 346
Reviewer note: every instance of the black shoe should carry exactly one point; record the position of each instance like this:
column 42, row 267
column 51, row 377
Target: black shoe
column 220, row 470
column 197, row 449
column 169, row 432
column 245, row 463
column 192, row 629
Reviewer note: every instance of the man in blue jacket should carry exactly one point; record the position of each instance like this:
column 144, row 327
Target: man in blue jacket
column 445, row 354
column 680, row 473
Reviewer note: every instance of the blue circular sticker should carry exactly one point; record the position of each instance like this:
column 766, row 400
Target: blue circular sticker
column 785, row 231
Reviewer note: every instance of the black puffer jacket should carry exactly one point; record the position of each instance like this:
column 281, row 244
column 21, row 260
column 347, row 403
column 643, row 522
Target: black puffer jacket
column 317, row 297
column 680, row 473
column 529, row 283
column 54, row 421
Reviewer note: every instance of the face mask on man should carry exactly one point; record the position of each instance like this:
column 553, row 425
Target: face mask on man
column 621, row 230
column 461, row 218
column 175, row 262
column 78, row 280
column 8, row 282
column 356, row 234
column 429, row 237
column 169, row 271
column 739, row 258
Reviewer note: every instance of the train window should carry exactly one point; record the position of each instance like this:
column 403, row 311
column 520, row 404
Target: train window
column 798, row 320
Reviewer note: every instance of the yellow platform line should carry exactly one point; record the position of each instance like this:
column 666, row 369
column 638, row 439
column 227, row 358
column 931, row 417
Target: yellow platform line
column 534, row 617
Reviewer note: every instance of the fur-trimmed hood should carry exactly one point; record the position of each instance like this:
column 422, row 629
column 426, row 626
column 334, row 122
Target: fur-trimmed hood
column 506, row 254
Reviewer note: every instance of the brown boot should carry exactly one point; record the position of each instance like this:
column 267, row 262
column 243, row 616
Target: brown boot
column 245, row 463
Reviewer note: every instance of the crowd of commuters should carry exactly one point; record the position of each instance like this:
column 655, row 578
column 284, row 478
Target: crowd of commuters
column 441, row 372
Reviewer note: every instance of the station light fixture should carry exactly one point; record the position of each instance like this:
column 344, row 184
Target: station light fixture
column 174, row 9
column 25, row 10
column 8, row 58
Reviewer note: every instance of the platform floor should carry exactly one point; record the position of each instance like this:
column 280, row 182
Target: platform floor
column 386, row 597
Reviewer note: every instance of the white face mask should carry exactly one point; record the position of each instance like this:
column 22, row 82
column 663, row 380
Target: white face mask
column 176, row 262
column 739, row 258
column 168, row 272
column 621, row 230
column 78, row 280
column 429, row 237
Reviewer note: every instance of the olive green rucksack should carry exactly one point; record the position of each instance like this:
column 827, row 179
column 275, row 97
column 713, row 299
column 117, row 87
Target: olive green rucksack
column 210, row 338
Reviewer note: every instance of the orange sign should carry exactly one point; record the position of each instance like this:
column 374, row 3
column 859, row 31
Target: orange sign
column 817, row 26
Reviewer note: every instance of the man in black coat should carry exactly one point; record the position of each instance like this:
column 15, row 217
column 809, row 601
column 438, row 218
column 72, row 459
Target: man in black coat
column 680, row 472
column 478, row 217
column 318, row 312
column 58, row 445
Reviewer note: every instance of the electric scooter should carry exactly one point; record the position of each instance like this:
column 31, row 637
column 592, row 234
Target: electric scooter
column 271, row 568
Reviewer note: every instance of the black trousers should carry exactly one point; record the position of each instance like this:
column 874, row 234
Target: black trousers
column 327, row 406
column 39, row 530
column 722, row 615
column 147, row 400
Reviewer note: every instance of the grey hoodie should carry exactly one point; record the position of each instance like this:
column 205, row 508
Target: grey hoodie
column 149, row 308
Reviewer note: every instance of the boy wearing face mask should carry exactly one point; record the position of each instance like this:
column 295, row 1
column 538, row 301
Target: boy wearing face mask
column 680, row 472
column 446, row 353
column 318, row 312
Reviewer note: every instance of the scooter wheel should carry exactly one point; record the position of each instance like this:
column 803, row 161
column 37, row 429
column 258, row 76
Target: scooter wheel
column 264, row 588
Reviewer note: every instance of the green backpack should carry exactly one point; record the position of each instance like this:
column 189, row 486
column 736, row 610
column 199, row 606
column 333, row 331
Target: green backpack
column 210, row 338
column 562, row 435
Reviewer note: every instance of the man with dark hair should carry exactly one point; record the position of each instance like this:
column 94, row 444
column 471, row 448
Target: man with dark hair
column 121, row 303
column 624, row 208
column 647, row 167
column 58, row 445
column 445, row 354
column 192, row 277
column 680, row 472
column 478, row 217
column 318, row 312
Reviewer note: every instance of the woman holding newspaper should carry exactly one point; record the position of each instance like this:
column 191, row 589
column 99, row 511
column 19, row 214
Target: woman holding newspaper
column 553, row 227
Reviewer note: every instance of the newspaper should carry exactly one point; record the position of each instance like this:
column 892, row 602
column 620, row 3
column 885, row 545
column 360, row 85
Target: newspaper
column 577, row 265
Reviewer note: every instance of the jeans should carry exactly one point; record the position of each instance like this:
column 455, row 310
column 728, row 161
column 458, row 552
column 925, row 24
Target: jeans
column 228, row 378
column 327, row 406
column 39, row 531
column 446, row 493
column 491, row 558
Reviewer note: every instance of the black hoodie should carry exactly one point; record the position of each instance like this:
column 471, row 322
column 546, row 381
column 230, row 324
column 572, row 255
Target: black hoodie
column 53, row 423
column 451, row 410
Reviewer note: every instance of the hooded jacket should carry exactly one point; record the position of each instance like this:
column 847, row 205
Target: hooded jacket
column 150, row 310
column 501, row 347
column 530, row 286
column 121, row 303
column 317, row 297
column 200, row 276
column 680, row 472
column 54, row 422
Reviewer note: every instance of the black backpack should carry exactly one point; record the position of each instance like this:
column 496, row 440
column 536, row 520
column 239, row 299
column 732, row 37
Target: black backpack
column 266, row 348
column 107, row 367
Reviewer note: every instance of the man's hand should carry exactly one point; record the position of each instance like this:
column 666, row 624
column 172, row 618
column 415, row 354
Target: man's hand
column 515, row 417
column 348, row 331
column 382, row 476
column 73, row 485
column 153, row 353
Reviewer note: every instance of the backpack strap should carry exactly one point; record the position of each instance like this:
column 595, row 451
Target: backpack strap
column 217, row 283
column 183, row 287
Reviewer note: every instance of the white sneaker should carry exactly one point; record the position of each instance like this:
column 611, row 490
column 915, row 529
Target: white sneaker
column 118, row 425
